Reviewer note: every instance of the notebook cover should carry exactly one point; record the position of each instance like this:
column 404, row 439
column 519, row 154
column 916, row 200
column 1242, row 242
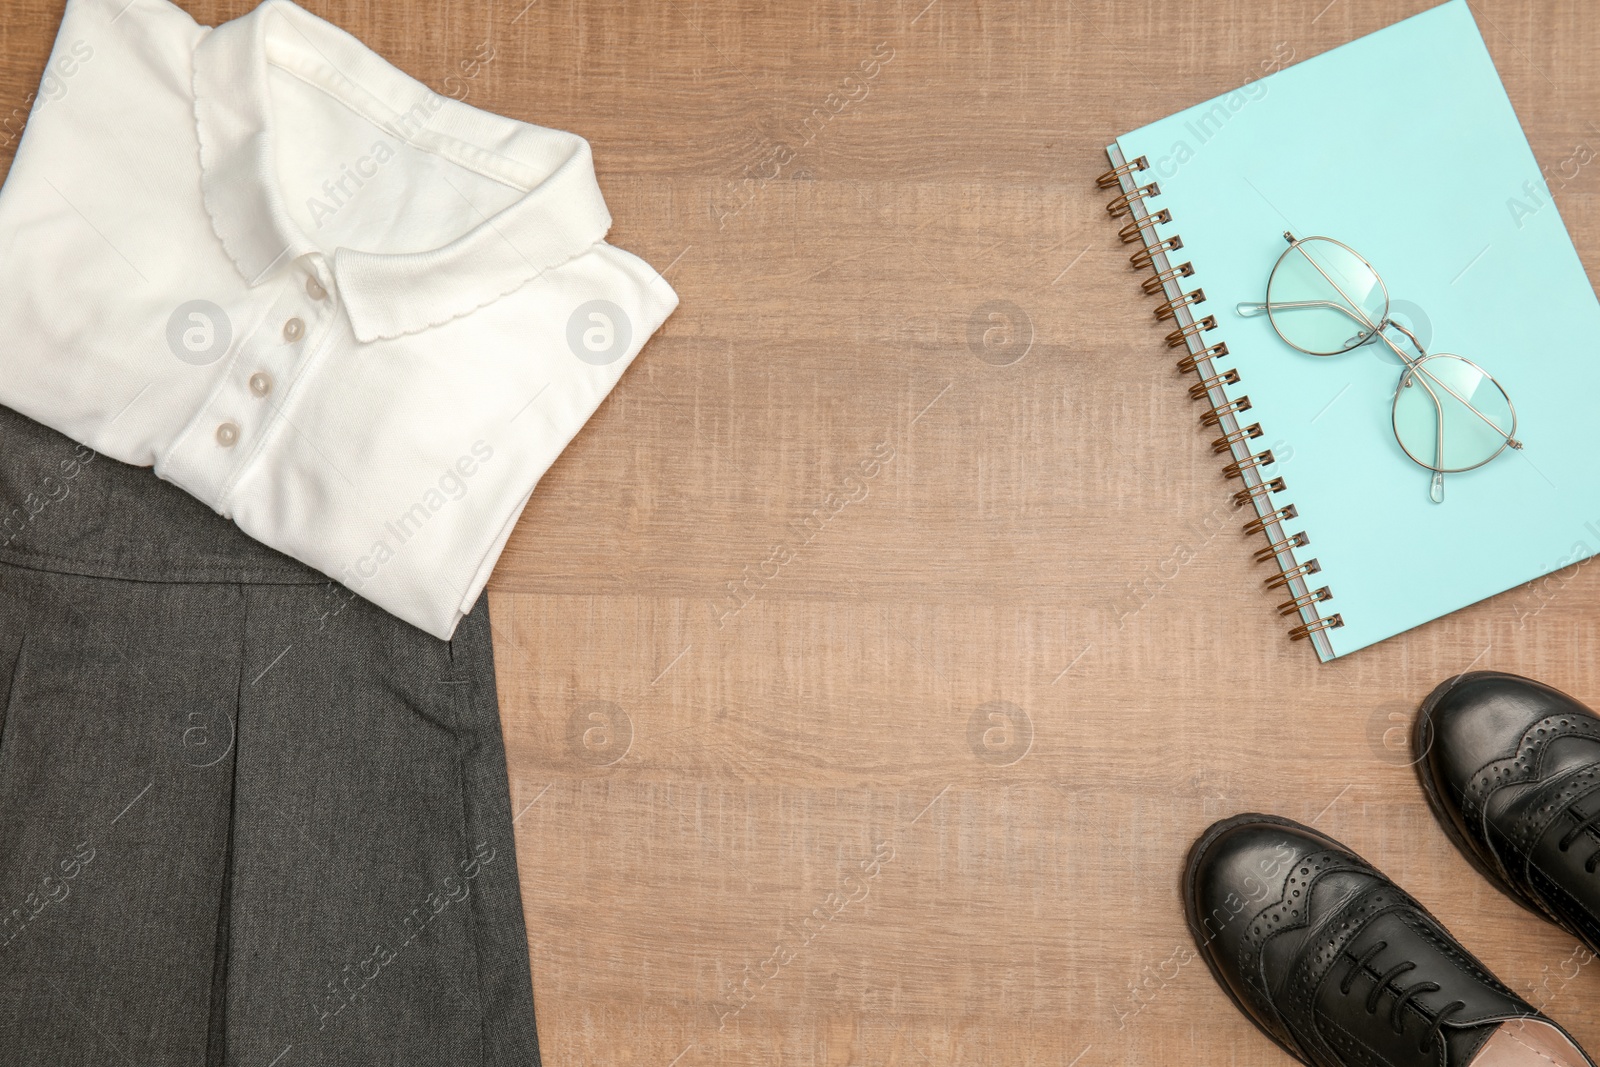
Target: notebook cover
column 1404, row 146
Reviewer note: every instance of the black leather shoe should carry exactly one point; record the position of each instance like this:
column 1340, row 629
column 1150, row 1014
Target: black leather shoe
column 1512, row 770
column 1340, row 967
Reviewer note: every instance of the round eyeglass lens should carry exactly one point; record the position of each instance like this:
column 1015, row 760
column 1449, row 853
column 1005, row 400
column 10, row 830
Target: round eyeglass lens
column 1450, row 416
column 1323, row 298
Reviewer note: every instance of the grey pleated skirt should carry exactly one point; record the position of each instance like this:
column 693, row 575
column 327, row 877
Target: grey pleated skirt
column 245, row 817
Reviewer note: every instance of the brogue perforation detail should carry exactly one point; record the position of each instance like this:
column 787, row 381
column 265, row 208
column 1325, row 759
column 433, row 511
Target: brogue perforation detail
column 1286, row 914
column 1522, row 767
column 1363, row 910
column 1313, row 967
column 1289, row 912
column 1532, row 824
column 1428, row 932
column 1556, row 899
column 1346, row 1045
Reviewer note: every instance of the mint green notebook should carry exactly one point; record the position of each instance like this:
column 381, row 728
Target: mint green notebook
column 1404, row 146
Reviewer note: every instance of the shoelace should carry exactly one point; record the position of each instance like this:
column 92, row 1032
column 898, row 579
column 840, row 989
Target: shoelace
column 1585, row 822
column 1402, row 997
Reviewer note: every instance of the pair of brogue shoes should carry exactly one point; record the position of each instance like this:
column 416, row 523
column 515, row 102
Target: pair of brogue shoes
column 1340, row 967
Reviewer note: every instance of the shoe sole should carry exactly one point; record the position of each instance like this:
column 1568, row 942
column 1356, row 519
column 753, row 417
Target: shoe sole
column 1192, row 916
column 1421, row 744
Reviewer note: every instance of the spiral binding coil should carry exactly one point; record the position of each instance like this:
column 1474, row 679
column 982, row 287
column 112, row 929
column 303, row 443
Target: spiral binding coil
column 1146, row 256
column 1214, row 416
column 1199, row 390
column 1168, row 309
column 1192, row 361
column 1281, row 581
column 1237, row 468
column 1153, row 286
column 1142, row 227
column 1293, row 541
column 1260, row 523
column 1133, row 232
column 1228, row 441
column 1181, row 337
column 1250, row 493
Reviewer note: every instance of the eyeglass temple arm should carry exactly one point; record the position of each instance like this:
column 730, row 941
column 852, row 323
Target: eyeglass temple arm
column 1250, row 310
column 1436, row 483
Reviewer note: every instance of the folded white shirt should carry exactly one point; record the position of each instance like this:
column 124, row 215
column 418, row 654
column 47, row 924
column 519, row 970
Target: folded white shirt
column 356, row 317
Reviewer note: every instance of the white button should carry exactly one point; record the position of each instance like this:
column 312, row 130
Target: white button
column 227, row 435
column 314, row 288
column 261, row 383
column 293, row 330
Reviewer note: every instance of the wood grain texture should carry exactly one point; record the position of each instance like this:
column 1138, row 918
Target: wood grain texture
column 753, row 627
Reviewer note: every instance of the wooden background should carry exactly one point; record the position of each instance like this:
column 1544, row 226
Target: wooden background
column 918, row 792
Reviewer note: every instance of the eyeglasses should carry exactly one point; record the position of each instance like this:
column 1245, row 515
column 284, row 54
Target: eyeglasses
column 1450, row 415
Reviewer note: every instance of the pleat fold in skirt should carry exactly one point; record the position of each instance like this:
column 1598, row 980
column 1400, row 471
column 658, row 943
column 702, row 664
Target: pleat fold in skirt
column 245, row 817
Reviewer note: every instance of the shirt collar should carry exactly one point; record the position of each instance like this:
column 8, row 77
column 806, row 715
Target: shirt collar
column 386, row 295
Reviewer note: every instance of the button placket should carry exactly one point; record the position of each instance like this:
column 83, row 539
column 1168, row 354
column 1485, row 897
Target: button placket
column 227, row 431
column 271, row 359
column 294, row 331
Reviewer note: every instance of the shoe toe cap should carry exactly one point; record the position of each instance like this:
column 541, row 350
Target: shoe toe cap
column 1240, row 866
column 1475, row 719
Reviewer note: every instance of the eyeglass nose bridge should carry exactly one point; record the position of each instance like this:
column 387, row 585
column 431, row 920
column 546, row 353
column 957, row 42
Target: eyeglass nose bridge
column 1422, row 353
column 1375, row 333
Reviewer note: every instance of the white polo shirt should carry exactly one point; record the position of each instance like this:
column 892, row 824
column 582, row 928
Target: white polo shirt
column 357, row 317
